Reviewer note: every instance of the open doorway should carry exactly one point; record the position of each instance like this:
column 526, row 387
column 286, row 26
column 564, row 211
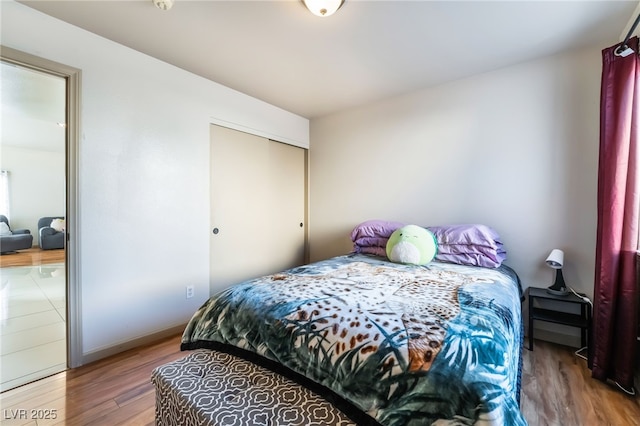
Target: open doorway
column 37, row 197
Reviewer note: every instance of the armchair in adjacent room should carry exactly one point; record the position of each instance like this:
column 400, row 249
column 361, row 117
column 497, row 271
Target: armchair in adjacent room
column 52, row 232
column 13, row 239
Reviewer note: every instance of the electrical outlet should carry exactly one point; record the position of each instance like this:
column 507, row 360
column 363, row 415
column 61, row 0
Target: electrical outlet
column 189, row 291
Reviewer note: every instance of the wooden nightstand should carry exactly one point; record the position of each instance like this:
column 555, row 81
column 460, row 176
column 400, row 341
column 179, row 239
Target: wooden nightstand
column 581, row 320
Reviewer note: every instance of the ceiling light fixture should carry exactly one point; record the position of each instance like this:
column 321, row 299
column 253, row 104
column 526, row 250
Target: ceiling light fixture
column 323, row 8
column 163, row 4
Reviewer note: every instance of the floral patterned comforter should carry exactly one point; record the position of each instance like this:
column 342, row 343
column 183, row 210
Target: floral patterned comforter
column 400, row 344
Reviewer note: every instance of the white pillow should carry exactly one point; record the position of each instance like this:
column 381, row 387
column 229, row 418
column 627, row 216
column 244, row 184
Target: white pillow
column 4, row 229
column 58, row 224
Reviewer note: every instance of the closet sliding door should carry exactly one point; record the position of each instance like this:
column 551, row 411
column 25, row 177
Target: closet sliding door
column 257, row 206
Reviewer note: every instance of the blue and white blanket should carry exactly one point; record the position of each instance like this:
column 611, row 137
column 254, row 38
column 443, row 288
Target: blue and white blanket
column 396, row 344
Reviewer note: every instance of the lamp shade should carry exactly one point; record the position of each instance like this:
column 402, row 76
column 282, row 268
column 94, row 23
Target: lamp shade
column 555, row 259
column 323, row 7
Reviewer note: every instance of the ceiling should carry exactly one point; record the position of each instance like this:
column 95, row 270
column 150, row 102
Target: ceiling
column 279, row 52
column 32, row 109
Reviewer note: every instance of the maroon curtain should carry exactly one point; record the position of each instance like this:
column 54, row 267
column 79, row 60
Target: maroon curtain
column 615, row 315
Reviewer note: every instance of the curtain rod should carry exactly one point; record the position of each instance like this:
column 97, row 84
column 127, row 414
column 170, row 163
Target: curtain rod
column 623, row 49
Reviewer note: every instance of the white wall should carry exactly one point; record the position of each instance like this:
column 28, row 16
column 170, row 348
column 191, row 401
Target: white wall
column 515, row 149
column 143, row 175
column 36, row 185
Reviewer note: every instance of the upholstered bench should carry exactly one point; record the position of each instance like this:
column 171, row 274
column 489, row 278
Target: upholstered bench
column 215, row 388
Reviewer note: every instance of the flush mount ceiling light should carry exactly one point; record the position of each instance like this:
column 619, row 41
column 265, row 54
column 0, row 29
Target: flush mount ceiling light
column 163, row 4
column 323, row 7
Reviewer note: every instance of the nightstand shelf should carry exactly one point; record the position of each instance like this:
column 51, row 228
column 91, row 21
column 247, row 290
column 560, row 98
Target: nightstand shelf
column 548, row 315
column 581, row 320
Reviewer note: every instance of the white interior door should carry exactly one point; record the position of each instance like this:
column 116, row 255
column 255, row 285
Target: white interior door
column 257, row 206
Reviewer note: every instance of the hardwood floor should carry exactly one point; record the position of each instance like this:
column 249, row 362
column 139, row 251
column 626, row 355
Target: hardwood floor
column 113, row 391
column 31, row 257
column 557, row 390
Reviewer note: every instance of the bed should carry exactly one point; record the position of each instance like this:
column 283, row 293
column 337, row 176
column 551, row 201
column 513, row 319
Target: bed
column 381, row 343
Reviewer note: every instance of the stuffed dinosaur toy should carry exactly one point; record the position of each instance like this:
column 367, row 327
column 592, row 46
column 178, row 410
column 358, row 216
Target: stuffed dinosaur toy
column 412, row 244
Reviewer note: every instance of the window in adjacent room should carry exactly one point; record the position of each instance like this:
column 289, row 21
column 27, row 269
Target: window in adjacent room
column 4, row 193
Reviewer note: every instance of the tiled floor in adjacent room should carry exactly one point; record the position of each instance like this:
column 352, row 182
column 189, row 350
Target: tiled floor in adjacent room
column 32, row 323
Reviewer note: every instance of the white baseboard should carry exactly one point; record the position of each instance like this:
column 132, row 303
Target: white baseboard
column 131, row 344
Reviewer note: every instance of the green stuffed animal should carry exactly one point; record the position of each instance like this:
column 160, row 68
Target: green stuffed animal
column 412, row 244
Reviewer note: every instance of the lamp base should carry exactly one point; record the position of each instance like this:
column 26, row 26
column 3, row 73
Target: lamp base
column 558, row 292
column 559, row 288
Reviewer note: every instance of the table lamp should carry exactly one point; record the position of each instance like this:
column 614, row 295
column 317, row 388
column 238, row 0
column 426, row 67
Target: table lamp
column 555, row 261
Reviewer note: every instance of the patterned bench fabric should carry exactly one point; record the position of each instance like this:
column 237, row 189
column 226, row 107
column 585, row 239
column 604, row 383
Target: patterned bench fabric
column 215, row 388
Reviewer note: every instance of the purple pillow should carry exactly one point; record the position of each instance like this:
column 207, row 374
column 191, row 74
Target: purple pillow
column 375, row 228
column 371, row 241
column 371, row 236
column 491, row 260
column 469, row 235
column 473, row 244
column 377, row 251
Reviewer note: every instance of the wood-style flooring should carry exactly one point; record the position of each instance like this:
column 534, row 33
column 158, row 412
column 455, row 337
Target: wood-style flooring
column 32, row 257
column 113, row 391
column 557, row 390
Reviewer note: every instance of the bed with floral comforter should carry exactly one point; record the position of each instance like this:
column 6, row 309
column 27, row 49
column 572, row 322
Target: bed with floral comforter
column 387, row 343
